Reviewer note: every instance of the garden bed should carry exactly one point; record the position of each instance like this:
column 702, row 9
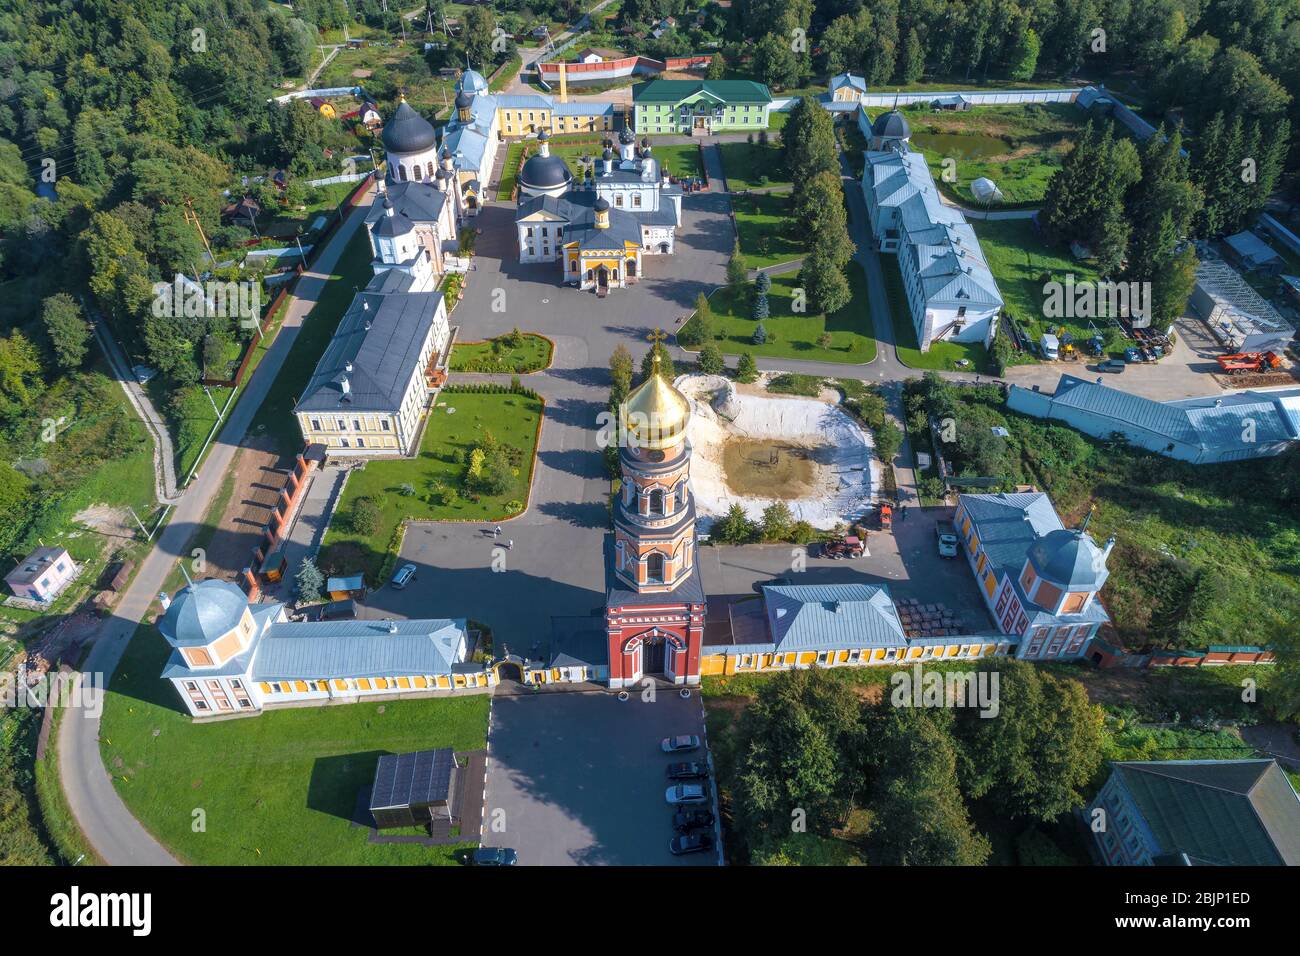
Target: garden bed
column 526, row 352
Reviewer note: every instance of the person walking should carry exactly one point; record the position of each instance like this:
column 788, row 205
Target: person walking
column 510, row 545
column 496, row 532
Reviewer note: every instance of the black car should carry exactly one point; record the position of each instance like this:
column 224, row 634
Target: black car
column 687, row 770
column 494, row 856
column 690, row 843
column 1111, row 365
column 694, row 818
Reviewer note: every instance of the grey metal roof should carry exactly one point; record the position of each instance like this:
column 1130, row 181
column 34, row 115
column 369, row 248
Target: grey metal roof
column 202, row 612
column 577, row 208
column 825, row 616
column 418, row 202
column 689, row 591
column 381, row 336
column 390, row 222
column 237, row 666
column 35, row 565
column 408, row 131
column 349, row 649
column 472, row 81
column 1206, row 423
column 1223, row 812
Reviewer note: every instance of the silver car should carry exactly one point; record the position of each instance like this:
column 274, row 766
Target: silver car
column 404, row 576
column 680, row 744
column 687, row 793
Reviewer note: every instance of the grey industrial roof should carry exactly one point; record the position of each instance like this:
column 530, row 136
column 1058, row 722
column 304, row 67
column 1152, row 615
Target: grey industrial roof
column 1221, row 812
column 408, row 131
column 203, row 611
column 341, row 649
column 381, row 335
column 824, row 616
column 1251, row 248
column 1207, row 423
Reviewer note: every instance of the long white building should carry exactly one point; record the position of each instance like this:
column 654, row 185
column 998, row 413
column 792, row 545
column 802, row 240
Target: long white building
column 951, row 292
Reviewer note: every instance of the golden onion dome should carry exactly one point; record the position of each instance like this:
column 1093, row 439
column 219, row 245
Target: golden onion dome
column 655, row 414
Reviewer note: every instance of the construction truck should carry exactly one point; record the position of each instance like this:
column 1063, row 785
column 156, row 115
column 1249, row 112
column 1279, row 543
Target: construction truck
column 1240, row 363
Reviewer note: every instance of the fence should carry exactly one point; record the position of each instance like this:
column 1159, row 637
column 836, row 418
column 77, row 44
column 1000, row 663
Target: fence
column 621, row 67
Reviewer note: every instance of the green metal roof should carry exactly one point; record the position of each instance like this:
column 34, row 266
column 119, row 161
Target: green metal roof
column 674, row 91
column 1227, row 812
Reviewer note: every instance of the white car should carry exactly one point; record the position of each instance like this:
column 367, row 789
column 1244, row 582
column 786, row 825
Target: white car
column 403, row 576
column 687, row 793
column 680, row 744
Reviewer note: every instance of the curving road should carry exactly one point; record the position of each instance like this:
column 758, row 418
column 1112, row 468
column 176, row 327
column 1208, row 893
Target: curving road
column 116, row 836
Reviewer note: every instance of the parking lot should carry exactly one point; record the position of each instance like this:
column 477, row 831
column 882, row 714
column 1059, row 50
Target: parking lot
column 906, row 561
column 578, row 779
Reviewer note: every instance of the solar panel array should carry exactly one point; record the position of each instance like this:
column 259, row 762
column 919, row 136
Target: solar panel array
column 413, row 780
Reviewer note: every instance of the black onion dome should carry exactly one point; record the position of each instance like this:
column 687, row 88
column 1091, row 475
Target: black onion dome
column 892, row 125
column 602, row 205
column 627, row 136
column 408, row 131
column 544, row 172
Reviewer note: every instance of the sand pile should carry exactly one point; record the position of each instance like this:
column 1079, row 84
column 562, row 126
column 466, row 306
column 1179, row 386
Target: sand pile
column 751, row 440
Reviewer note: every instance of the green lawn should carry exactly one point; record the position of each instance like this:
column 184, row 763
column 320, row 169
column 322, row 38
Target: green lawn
column 278, row 789
column 1022, row 261
column 275, row 416
column 752, row 165
column 764, row 230
column 532, row 355
column 1018, row 147
column 941, row 355
column 792, row 335
column 512, row 420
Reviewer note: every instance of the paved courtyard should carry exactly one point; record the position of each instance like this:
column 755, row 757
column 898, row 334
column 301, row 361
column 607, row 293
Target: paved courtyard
column 577, row 779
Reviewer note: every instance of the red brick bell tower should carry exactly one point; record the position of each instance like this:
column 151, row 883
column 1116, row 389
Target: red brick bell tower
column 655, row 604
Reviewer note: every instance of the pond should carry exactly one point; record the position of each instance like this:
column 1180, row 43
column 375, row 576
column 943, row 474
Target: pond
column 961, row 145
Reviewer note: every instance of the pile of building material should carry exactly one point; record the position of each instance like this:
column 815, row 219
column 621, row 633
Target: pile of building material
column 927, row 620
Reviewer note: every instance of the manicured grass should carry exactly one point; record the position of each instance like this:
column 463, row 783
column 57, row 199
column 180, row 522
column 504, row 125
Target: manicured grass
column 278, row 789
column 1022, row 261
column 942, row 354
column 275, row 416
column 531, row 355
column 764, row 230
column 512, row 420
column 1017, row 147
column 753, row 165
column 791, row 334
column 682, row 160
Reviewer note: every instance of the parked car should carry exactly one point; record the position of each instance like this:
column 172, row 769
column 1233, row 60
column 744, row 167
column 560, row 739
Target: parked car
column 687, row 770
column 405, row 574
column 1111, row 365
column 493, row 856
column 680, row 744
column 849, row 546
column 685, row 843
column 692, row 818
column 946, row 535
column 687, row 793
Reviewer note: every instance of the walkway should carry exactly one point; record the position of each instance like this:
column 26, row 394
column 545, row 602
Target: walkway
column 109, row 827
column 164, row 453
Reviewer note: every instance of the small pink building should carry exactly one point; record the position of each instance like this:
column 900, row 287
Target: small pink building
column 42, row 575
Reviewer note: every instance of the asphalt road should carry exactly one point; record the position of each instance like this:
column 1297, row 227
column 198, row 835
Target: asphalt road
column 114, row 834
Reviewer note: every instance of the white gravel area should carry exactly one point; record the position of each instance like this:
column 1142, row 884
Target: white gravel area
column 844, row 477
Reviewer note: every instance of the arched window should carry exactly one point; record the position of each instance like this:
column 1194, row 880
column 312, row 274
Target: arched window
column 590, row 275
column 573, row 265
column 654, row 568
column 657, row 501
column 432, row 171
